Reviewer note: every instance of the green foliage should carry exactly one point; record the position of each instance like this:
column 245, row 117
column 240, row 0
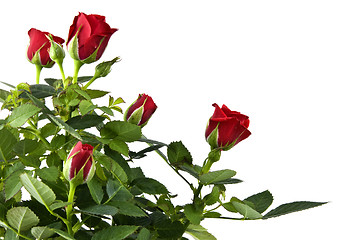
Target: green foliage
column 44, row 123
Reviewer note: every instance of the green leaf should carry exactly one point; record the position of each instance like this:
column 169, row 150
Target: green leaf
column 100, row 210
column 8, row 84
column 12, row 184
column 41, row 91
column 193, row 213
column 150, row 186
column 63, row 234
column 212, row 197
column 216, row 176
column 64, row 126
column 96, row 93
column 86, row 107
column 119, row 146
column 112, row 166
column 21, row 114
column 115, row 233
column 144, row 234
column 21, row 218
column 86, row 121
column 38, row 190
column 42, row 232
column 291, row 207
column 117, row 191
column 83, row 79
column 3, row 95
column 178, row 154
column 95, row 190
column 124, row 131
column 39, row 103
column 7, row 142
column 59, row 204
column 52, row 81
column 128, row 209
column 260, row 201
column 199, row 232
column 83, row 94
column 246, row 211
column 166, row 228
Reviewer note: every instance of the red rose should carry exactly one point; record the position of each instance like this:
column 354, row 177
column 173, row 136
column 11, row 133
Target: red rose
column 141, row 110
column 38, row 50
column 88, row 37
column 226, row 128
column 80, row 159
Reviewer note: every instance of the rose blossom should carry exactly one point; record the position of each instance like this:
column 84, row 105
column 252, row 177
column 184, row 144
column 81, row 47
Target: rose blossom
column 88, row 37
column 226, row 128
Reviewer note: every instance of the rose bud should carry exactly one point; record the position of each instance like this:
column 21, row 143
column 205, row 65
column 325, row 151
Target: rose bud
column 88, row 37
column 79, row 166
column 141, row 110
column 226, row 128
column 38, row 49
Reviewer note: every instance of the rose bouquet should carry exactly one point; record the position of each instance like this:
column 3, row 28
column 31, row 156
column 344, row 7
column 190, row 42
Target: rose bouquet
column 72, row 156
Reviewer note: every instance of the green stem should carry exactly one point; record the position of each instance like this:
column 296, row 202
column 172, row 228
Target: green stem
column 69, row 208
column 77, row 66
column 89, row 82
column 38, row 71
column 59, row 63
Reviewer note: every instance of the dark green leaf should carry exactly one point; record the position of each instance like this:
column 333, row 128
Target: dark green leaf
column 41, row 90
column 291, row 207
column 86, row 121
column 122, row 131
column 216, row 176
column 53, row 82
column 142, row 154
column 96, row 93
column 83, row 79
column 21, row 114
column 144, row 234
column 115, row 233
column 178, row 154
column 261, row 201
column 128, row 209
column 150, row 186
column 100, row 210
column 7, row 142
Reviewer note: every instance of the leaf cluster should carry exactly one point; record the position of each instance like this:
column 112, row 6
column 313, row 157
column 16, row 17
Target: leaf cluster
column 46, row 120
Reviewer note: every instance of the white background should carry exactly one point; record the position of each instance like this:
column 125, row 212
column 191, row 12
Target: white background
column 291, row 66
